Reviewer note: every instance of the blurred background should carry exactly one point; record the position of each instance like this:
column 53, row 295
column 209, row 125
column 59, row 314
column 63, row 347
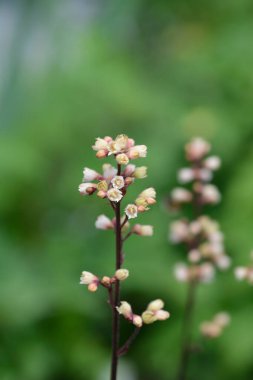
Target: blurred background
column 160, row 71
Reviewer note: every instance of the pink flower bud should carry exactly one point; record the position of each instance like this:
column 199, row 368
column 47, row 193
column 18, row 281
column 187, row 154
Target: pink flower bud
column 162, row 315
column 100, row 145
column 109, row 172
column 104, row 223
column 106, row 281
column 89, row 175
column 101, row 153
column 222, row 319
column 196, row 149
column 129, row 181
column 129, row 170
column 210, row 330
column 102, row 194
column 180, row 195
column 179, row 231
column 137, row 320
column 181, row 272
column 142, row 230
column 93, row 287
column 87, row 188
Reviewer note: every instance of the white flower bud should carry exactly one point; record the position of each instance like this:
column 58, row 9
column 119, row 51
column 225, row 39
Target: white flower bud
column 148, row 193
column 180, row 195
column 89, row 175
column 154, row 312
column 87, row 188
column 121, row 274
column 125, row 309
column 118, row 182
column 137, row 151
column 131, row 211
column 241, row 273
column 181, row 272
column 114, row 195
column 206, row 272
column 212, row 163
column 210, row 194
column 93, row 287
column 140, row 172
column 100, row 144
column 104, row 223
column 185, row 175
column 148, row 317
column 204, row 175
column 143, row 230
column 222, row 319
column 155, row 305
column 87, row 278
column 122, row 159
column 223, row 262
column 179, row 231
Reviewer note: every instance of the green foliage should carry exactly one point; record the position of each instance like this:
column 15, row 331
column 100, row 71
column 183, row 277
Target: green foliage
column 161, row 72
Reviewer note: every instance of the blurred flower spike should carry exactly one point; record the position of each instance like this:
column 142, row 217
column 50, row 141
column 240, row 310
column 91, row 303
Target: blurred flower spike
column 214, row 328
column 245, row 272
column 201, row 236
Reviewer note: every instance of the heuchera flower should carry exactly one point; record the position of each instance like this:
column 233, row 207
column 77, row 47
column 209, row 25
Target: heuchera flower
column 214, row 328
column 245, row 272
column 155, row 312
column 202, row 237
column 104, row 223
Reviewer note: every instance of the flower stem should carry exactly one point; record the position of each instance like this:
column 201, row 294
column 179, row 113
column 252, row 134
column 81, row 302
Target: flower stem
column 186, row 332
column 116, row 298
column 124, row 349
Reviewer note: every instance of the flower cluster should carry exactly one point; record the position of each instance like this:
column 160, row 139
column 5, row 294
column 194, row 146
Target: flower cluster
column 93, row 281
column 245, row 272
column 112, row 185
column 201, row 236
column 154, row 312
column 199, row 173
column 214, row 328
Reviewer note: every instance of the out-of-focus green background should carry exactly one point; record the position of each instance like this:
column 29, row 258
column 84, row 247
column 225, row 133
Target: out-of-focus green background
column 160, row 71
